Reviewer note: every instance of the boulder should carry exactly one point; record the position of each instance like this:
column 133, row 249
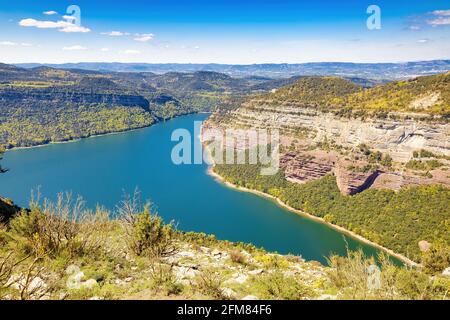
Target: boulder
column 89, row 284
column 72, row 269
column 74, row 281
column 229, row 293
column 424, row 246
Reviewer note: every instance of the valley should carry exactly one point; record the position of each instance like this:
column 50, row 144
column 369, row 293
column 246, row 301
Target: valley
column 365, row 164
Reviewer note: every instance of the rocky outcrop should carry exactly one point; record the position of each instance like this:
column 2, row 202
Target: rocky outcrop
column 323, row 143
column 350, row 183
column 300, row 168
column 399, row 138
column 67, row 96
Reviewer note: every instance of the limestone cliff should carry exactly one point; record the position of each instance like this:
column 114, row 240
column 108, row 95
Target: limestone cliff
column 358, row 145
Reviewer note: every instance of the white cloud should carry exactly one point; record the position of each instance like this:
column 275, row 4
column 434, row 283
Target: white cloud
column 115, row 33
column 144, row 37
column 74, row 48
column 50, row 12
column 443, row 18
column 43, row 24
column 7, row 43
column 25, row 44
column 441, row 21
column 104, row 49
column 130, row 51
column 69, row 18
column 63, row 26
column 423, row 40
column 414, row 28
column 441, row 12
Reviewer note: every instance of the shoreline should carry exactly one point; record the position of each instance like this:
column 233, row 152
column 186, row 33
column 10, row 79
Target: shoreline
column 102, row 134
column 79, row 139
column 278, row 201
column 356, row 236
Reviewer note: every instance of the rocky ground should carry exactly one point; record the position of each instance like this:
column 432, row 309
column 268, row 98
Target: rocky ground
column 45, row 256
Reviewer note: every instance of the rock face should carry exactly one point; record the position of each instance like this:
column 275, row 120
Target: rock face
column 322, row 143
column 350, row 183
column 300, row 168
column 399, row 138
column 68, row 95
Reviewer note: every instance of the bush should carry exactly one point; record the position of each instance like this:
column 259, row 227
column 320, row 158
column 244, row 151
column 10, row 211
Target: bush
column 26, row 224
column 236, row 256
column 436, row 259
column 413, row 284
column 61, row 227
column 163, row 276
column 351, row 277
column 209, row 283
column 276, row 286
column 148, row 235
column 350, row 274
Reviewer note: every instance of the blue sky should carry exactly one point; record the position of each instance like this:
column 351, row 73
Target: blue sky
column 244, row 32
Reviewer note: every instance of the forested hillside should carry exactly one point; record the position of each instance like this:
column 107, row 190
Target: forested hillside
column 64, row 106
column 314, row 91
column 43, row 104
column 396, row 220
column 428, row 95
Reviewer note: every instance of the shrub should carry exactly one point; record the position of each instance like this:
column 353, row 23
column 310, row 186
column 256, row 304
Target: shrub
column 147, row 234
column 413, row 284
column 26, row 224
column 350, row 274
column 236, row 256
column 387, row 161
column 163, row 276
column 436, row 259
column 277, row 286
column 209, row 283
column 4, row 235
column 329, row 218
column 61, row 227
column 272, row 261
column 426, row 154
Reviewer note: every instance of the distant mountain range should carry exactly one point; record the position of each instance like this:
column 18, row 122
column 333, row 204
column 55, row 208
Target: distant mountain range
column 376, row 71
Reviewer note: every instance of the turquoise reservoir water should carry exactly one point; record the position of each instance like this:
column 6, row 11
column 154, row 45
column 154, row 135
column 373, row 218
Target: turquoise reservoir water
column 101, row 169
